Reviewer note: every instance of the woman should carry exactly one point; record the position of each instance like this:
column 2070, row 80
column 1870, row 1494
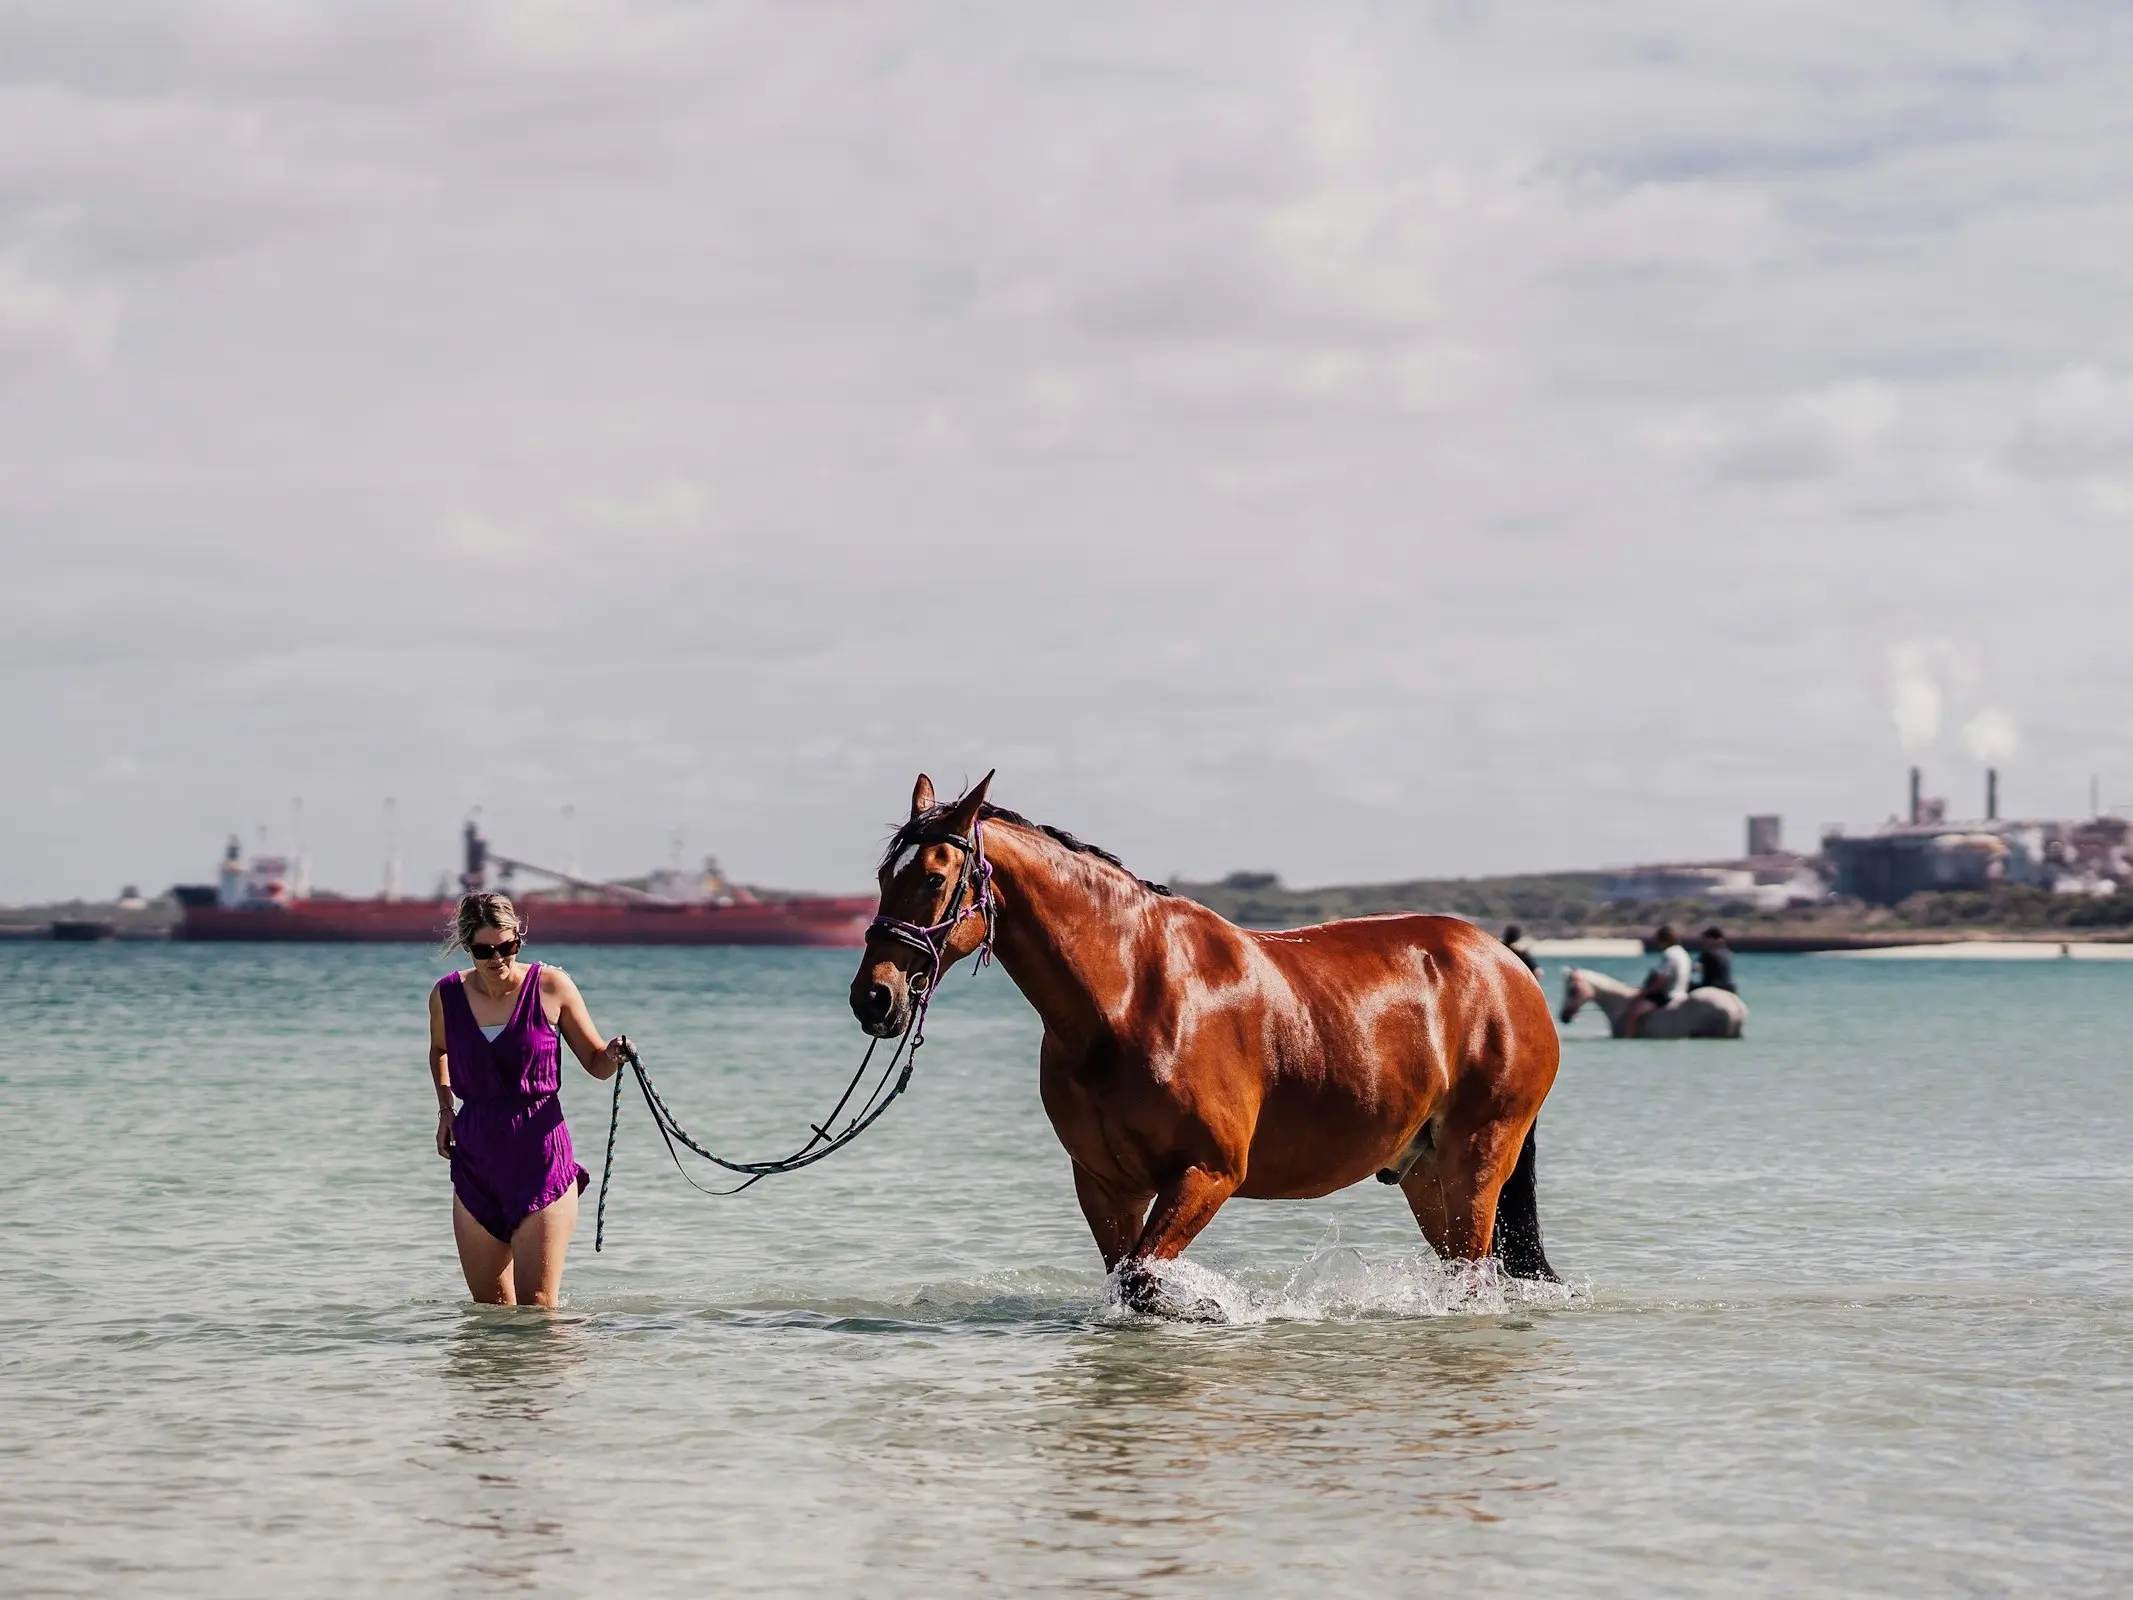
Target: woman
column 493, row 1037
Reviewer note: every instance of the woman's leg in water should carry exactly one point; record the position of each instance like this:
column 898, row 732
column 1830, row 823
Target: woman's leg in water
column 484, row 1258
column 538, row 1248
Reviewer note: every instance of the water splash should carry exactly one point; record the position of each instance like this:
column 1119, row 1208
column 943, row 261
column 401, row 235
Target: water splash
column 1340, row 1284
column 1337, row 1283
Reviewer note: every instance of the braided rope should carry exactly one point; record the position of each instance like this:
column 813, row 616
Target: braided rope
column 932, row 942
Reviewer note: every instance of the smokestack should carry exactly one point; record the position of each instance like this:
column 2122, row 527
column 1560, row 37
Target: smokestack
column 390, row 890
column 1914, row 796
column 1992, row 794
column 476, row 877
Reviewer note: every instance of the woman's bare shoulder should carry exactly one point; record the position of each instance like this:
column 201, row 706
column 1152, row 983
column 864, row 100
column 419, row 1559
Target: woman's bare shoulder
column 556, row 982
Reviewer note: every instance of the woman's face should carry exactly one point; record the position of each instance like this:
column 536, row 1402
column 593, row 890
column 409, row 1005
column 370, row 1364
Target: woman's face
column 493, row 950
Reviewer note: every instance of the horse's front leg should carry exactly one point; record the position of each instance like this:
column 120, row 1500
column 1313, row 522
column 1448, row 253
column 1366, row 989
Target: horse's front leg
column 1113, row 1213
column 1183, row 1206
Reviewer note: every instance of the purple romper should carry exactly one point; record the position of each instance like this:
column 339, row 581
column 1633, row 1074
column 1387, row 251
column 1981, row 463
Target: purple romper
column 511, row 1153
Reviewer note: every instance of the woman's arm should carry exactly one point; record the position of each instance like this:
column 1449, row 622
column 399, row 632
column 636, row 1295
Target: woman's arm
column 603, row 1061
column 440, row 1074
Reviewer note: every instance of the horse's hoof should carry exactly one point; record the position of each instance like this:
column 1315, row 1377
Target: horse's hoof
column 1387, row 1175
column 1137, row 1287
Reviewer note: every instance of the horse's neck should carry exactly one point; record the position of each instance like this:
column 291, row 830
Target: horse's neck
column 1062, row 936
column 1613, row 998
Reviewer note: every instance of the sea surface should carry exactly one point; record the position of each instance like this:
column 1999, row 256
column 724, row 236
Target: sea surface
column 1850, row 1311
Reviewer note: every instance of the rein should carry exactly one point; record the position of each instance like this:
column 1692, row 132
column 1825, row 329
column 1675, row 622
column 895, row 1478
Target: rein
column 931, row 941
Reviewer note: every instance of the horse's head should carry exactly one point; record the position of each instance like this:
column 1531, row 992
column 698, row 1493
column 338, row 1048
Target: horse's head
column 936, row 900
column 1576, row 991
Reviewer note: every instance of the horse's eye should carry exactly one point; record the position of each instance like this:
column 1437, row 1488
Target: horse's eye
column 935, row 881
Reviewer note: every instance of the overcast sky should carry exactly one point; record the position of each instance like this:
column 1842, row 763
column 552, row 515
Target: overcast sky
column 1356, row 441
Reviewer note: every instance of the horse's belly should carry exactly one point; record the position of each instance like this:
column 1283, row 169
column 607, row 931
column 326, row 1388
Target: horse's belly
column 1310, row 1144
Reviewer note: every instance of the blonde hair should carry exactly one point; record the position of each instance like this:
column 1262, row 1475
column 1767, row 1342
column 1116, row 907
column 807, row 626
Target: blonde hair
column 479, row 911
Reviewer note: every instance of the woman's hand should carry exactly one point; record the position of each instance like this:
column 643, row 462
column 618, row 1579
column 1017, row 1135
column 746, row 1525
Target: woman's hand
column 611, row 1055
column 444, row 1132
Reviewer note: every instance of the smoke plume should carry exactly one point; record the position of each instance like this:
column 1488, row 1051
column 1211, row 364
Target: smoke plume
column 1992, row 735
column 1915, row 695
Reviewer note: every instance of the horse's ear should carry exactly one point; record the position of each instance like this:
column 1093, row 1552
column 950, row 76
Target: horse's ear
column 921, row 795
column 965, row 815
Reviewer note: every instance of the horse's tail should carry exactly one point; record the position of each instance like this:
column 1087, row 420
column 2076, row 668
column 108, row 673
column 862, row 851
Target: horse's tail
column 1518, row 1222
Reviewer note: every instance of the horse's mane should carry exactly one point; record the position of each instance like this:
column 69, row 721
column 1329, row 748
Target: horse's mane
column 929, row 820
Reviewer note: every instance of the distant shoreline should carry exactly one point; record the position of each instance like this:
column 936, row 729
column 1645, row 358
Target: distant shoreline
column 1572, row 905
column 1552, row 908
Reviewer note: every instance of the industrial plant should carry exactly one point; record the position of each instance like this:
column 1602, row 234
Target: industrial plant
column 1933, row 851
column 1927, row 851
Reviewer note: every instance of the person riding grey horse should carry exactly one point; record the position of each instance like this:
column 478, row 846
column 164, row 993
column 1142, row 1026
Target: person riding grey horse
column 1714, row 962
column 1667, row 984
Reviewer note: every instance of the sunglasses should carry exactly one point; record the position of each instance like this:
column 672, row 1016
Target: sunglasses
column 494, row 952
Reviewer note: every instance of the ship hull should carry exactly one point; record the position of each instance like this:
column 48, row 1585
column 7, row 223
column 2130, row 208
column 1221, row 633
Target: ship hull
column 834, row 922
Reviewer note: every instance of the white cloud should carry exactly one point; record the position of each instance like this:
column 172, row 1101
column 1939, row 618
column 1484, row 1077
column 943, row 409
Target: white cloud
column 468, row 533
column 43, row 322
column 671, row 507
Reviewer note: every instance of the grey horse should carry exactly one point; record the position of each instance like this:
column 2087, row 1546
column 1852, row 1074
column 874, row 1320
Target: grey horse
column 1705, row 1014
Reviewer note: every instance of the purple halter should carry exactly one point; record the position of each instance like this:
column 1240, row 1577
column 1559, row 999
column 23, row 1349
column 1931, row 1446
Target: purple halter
column 932, row 941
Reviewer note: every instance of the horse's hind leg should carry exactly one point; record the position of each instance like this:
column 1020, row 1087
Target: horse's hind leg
column 1453, row 1189
column 1518, row 1223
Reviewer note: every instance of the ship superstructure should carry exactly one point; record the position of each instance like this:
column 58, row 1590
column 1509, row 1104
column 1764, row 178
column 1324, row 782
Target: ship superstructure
column 266, row 898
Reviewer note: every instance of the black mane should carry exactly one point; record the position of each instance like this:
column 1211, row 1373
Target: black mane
column 929, row 821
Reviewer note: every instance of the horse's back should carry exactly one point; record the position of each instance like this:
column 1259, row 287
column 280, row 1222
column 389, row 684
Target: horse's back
column 1730, row 1009
column 1703, row 1014
column 1431, row 996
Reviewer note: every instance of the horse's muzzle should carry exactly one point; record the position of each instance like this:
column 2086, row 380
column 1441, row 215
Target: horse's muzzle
column 881, row 1001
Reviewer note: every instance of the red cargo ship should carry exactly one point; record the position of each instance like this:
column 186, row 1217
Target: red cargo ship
column 266, row 900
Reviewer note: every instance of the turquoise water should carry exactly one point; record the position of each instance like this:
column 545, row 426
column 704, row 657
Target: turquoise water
column 1851, row 1311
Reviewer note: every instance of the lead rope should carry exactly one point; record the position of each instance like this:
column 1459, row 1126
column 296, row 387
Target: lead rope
column 932, row 942
column 607, row 1169
column 822, row 1144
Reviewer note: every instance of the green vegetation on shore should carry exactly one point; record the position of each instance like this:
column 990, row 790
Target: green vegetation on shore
column 1547, row 902
column 1562, row 904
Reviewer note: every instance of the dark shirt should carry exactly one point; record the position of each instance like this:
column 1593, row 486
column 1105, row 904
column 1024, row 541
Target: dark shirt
column 1716, row 968
column 1524, row 951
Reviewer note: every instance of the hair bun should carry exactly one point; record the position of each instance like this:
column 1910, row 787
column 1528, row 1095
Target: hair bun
column 482, row 909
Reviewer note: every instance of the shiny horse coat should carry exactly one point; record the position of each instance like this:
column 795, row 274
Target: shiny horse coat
column 1186, row 1060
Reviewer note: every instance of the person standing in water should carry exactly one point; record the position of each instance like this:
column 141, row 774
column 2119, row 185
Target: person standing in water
column 495, row 1032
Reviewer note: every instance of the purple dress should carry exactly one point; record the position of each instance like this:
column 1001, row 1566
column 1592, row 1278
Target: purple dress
column 511, row 1153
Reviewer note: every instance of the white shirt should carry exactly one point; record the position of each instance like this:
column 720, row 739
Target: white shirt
column 1674, row 962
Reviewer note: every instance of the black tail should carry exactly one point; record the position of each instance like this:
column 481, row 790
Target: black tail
column 1518, row 1221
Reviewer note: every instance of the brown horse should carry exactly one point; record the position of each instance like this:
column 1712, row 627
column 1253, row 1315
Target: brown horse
column 1186, row 1060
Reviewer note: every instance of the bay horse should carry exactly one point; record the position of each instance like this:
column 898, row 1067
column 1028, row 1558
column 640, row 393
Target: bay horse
column 1186, row 1060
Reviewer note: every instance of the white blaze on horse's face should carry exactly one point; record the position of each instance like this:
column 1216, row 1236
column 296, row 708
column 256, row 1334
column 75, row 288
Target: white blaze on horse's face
column 928, row 881
column 919, row 887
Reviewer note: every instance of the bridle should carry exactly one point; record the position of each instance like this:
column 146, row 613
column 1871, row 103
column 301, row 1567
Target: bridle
column 930, row 941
